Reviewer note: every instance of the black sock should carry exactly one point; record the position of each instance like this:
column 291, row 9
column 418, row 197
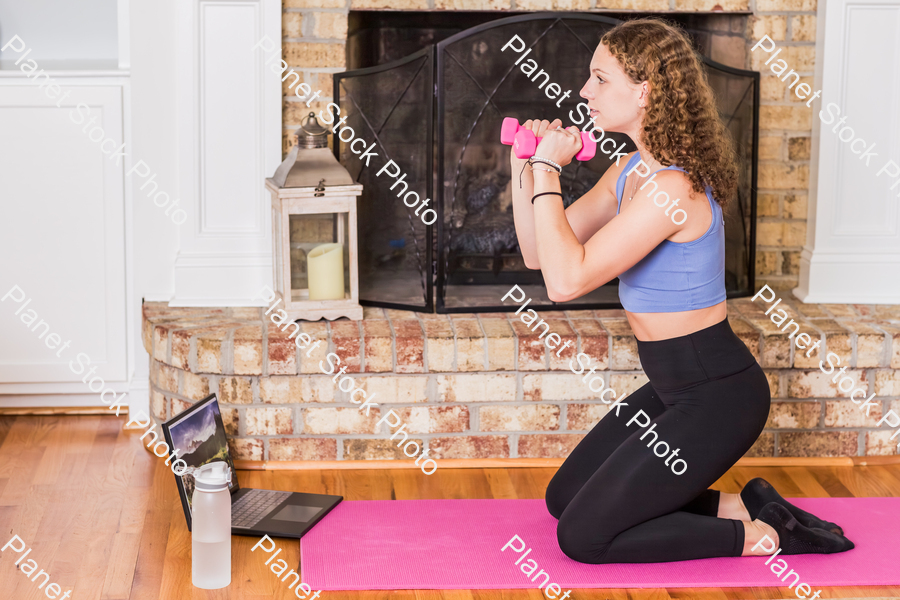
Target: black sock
column 759, row 492
column 794, row 538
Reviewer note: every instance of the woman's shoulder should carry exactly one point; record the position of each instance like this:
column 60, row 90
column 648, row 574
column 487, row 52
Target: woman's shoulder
column 673, row 177
column 623, row 164
column 672, row 173
column 675, row 180
column 617, row 169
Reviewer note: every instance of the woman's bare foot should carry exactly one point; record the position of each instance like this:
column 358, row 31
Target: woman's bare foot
column 753, row 533
column 731, row 506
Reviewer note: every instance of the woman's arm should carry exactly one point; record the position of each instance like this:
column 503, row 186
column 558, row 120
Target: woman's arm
column 596, row 207
column 523, row 211
column 572, row 269
column 586, row 215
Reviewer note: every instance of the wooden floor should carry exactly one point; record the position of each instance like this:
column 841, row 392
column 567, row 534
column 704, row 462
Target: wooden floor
column 103, row 516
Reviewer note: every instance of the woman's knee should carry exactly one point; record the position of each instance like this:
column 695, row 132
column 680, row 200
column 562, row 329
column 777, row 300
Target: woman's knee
column 580, row 542
column 556, row 499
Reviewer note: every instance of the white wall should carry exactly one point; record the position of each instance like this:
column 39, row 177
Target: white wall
column 61, row 29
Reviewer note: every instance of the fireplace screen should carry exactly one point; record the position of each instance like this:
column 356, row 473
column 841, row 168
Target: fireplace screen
column 435, row 117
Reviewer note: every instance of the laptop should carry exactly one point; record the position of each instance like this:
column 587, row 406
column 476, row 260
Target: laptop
column 200, row 435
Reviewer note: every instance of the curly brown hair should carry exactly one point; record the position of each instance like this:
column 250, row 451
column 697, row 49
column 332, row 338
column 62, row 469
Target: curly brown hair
column 682, row 124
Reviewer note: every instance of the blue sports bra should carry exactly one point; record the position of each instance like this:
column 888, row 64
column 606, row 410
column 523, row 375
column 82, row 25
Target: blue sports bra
column 676, row 276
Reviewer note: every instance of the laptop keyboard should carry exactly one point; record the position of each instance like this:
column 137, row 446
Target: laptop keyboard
column 254, row 505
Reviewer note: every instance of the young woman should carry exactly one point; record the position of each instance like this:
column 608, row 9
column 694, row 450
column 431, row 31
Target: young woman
column 615, row 498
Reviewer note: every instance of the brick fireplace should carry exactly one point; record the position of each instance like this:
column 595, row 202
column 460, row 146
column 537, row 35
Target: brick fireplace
column 482, row 386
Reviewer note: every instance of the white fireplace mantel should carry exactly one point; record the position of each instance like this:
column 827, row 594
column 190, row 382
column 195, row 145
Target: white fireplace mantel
column 852, row 251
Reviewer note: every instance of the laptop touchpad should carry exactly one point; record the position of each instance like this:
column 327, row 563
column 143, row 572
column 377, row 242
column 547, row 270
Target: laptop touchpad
column 297, row 513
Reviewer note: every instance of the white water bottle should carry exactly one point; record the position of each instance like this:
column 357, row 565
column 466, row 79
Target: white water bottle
column 211, row 529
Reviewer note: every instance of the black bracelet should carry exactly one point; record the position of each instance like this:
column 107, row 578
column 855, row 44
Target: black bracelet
column 545, row 194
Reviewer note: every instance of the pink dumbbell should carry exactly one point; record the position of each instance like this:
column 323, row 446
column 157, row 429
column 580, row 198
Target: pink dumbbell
column 524, row 143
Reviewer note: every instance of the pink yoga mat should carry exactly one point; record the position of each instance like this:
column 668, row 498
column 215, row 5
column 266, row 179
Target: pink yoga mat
column 455, row 544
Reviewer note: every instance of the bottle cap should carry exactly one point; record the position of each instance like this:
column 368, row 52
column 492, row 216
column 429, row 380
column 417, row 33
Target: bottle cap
column 212, row 477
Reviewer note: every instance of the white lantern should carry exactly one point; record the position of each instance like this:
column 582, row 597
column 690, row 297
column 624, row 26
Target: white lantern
column 314, row 230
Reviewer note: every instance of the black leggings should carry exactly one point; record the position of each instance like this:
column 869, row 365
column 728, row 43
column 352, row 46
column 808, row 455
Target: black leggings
column 618, row 502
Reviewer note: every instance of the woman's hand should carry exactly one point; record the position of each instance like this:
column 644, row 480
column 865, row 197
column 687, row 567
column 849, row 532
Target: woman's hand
column 559, row 145
column 539, row 128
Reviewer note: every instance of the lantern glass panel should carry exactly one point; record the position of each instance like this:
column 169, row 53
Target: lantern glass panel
column 326, row 274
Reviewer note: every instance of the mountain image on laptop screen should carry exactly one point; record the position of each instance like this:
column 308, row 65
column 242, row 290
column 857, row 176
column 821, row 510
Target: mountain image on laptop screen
column 201, row 439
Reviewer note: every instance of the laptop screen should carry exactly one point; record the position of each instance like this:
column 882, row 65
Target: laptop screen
column 199, row 434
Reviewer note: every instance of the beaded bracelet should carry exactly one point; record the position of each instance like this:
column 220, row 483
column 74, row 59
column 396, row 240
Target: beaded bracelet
column 546, row 161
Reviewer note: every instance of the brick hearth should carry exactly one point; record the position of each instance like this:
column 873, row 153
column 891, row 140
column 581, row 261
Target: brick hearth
column 484, row 386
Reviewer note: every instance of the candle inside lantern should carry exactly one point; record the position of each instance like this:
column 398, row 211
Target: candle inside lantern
column 325, row 268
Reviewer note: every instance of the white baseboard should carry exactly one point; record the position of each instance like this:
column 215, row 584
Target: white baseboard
column 61, row 388
column 62, row 395
column 52, row 401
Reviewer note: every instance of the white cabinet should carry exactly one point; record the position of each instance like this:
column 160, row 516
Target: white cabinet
column 62, row 238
